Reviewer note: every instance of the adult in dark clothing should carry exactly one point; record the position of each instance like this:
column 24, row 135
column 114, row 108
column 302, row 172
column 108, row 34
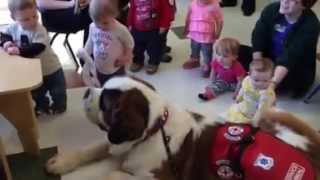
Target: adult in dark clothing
column 287, row 32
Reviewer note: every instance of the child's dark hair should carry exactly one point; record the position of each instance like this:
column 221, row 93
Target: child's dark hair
column 17, row 5
column 261, row 65
column 227, row 46
column 100, row 8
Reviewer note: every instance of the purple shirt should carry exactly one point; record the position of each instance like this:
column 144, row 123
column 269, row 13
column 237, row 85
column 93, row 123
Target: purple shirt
column 281, row 30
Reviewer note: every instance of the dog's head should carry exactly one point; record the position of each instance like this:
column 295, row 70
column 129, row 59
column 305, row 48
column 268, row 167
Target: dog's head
column 125, row 107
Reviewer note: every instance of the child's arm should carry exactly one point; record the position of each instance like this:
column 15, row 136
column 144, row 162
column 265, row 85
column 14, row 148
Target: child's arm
column 266, row 101
column 128, row 44
column 5, row 38
column 131, row 15
column 186, row 27
column 213, row 75
column 218, row 14
column 239, row 96
column 238, row 87
column 219, row 25
column 31, row 50
column 36, row 45
column 165, row 15
column 86, row 52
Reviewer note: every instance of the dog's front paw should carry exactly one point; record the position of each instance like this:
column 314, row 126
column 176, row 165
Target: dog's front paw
column 63, row 162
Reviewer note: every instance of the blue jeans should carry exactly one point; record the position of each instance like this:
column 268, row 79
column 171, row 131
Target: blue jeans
column 56, row 86
column 205, row 48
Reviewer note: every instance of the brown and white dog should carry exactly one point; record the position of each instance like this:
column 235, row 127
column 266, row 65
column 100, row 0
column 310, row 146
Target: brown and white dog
column 158, row 140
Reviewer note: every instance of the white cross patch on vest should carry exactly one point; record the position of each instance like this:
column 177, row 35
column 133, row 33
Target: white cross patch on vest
column 264, row 162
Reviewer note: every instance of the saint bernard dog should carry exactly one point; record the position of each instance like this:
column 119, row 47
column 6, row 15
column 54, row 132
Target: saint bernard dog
column 157, row 140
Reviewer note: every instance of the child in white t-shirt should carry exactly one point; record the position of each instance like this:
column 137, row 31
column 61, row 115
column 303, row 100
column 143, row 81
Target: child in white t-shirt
column 109, row 42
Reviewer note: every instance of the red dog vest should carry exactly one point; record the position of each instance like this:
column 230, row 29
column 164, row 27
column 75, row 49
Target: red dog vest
column 240, row 152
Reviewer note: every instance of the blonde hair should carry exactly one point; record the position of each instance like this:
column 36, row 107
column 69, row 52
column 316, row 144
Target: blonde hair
column 227, row 46
column 100, row 8
column 17, row 5
column 261, row 65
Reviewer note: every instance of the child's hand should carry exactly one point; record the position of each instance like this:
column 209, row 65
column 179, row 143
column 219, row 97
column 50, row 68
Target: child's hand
column 185, row 32
column 122, row 62
column 217, row 35
column 162, row 30
column 234, row 96
column 83, row 3
column 8, row 44
column 14, row 50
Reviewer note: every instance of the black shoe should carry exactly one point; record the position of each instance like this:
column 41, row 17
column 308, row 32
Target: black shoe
column 167, row 49
column 42, row 110
column 203, row 97
column 58, row 110
column 166, row 58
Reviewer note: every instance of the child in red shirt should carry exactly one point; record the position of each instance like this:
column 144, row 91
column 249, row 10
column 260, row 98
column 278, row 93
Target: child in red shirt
column 227, row 72
column 148, row 20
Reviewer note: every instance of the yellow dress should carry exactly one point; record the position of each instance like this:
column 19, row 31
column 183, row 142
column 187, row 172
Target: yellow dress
column 250, row 101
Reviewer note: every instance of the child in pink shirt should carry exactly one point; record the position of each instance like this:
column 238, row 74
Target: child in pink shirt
column 227, row 72
column 203, row 26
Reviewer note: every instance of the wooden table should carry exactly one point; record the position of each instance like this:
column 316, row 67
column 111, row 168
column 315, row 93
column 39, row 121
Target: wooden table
column 18, row 76
column 4, row 167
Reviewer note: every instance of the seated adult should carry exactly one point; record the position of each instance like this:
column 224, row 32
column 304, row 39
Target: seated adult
column 287, row 32
column 60, row 16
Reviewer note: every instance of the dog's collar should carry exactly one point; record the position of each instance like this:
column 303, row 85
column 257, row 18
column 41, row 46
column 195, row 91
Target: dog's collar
column 158, row 124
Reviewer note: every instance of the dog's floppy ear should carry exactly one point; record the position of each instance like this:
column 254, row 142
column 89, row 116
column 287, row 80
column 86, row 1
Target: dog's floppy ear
column 108, row 96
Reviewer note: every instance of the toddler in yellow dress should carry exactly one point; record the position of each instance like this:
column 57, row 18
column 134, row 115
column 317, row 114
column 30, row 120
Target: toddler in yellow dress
column 256, row 94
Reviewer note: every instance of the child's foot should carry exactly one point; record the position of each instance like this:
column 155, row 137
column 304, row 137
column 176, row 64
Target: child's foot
column 167, row 49
column 166, row 58
column 58, row 110
column 205, row 97
column 135, row 67
column 151, row 69
column 191, row 63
